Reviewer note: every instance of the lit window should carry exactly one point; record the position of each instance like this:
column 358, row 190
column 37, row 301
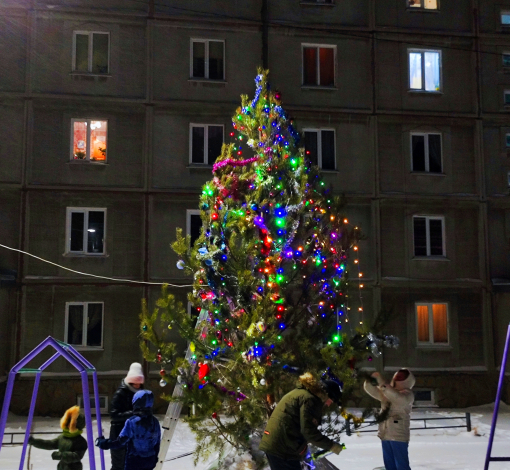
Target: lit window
column 84, row 324
column 207, row 59
column 432, row 323
column 506, row 59
column 320, row 147
column 85, row 231
column 424, row 70
column 193, row 224
column 505, row 18
column 426, row 152
column 91, row 52
column 423, row 4
column 428, row 236
column 89, row 140
column 205, row 143
column 318, row 65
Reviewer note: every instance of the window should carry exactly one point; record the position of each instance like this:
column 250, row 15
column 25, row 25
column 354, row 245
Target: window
column 318, row 65
column 205, row 143
column 103, row 403
column 423, row 4
column 193, row 312
column 89, row 140
column 426, row 152
column 320, row 147
column 193, row 224
column 505, row 18
column 507, row 97
column 428, row 236
column 207, row 59
column 432, row 323
column 507, row 141
column 506, row 59
column 85, row 231
column 91, row 52
column 424, row 398
column 424, row 70
column 508, row 179
column 84, row 324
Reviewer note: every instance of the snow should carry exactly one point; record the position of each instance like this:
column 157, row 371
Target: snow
column 439, row 449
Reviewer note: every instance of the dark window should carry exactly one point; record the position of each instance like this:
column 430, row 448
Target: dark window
column 91, row 52
column 428, row 236
column 214, row 143
column 420, row 236
column 86, row 231
column 320, row 148
column 199, row 59
column 85, row 324
column 426, row 153
column 208, row 59
column 77, row 226
column 195, row 227
column 328, row 150
column 318, row 66
column 197, row 144
column 95, row 232
column 206, row 142
column 506, row 59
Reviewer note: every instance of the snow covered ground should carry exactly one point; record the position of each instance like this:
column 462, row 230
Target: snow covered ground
column 441, row 449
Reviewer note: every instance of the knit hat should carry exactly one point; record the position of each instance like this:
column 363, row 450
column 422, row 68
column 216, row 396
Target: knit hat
column 135, row 374
column 333, row 391
column 72, row 420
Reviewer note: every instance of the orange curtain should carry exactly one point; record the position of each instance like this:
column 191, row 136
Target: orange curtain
column 440, row 318
column 327, row 66
column 422, row 317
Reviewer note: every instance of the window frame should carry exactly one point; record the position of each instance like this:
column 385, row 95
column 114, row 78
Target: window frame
column 505, row 94
column 422, row 51
column 501, row 13
column 89, row 130
column 503, row 54
column 206, row 139
column 319, row 130
column 427, row 236
column 422, row 8
column 431, row 342
column 206, row 59
column 85, row 210
column 102, row 409
column 90, row 52
column 427, row 154
column 317, row 65
column 84, row 345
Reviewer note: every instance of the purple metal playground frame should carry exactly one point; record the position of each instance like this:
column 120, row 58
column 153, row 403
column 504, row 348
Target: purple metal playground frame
column 489, row 458
column 83, row 366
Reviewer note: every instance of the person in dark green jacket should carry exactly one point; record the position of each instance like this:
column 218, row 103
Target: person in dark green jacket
column 70, row 447
column 295, row 421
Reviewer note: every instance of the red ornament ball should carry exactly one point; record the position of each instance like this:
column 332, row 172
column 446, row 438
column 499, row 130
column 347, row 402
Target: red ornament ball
column 162, row 372
column 215, row 415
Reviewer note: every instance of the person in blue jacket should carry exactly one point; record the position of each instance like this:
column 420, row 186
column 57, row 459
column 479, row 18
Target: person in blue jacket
column 141, row 435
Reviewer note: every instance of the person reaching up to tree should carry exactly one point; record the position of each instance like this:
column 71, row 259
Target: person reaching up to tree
column 294, row 423
column 397, row 400
column 140, row 436
column 70, row 446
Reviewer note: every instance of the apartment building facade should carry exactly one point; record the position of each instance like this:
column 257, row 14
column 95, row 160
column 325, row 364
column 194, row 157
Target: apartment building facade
column 113, row 113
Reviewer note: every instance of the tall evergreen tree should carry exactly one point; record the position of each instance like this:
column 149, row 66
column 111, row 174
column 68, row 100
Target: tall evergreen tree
column 270, row 268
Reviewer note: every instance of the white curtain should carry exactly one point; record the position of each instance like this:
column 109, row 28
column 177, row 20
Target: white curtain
column 432, row 71
column 415, row 67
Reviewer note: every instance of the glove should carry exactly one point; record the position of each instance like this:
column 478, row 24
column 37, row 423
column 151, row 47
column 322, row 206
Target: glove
column 337, row 448
column 101, row 442
column 56, row 456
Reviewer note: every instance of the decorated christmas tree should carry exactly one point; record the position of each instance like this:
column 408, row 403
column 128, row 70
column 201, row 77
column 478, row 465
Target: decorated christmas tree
column 270, row 281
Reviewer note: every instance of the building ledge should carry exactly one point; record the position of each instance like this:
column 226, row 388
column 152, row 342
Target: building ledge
column 318, row 88
column 87, row 162
column 430, row 258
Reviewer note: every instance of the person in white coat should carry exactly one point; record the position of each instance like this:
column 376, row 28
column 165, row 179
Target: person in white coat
column 397, row 400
